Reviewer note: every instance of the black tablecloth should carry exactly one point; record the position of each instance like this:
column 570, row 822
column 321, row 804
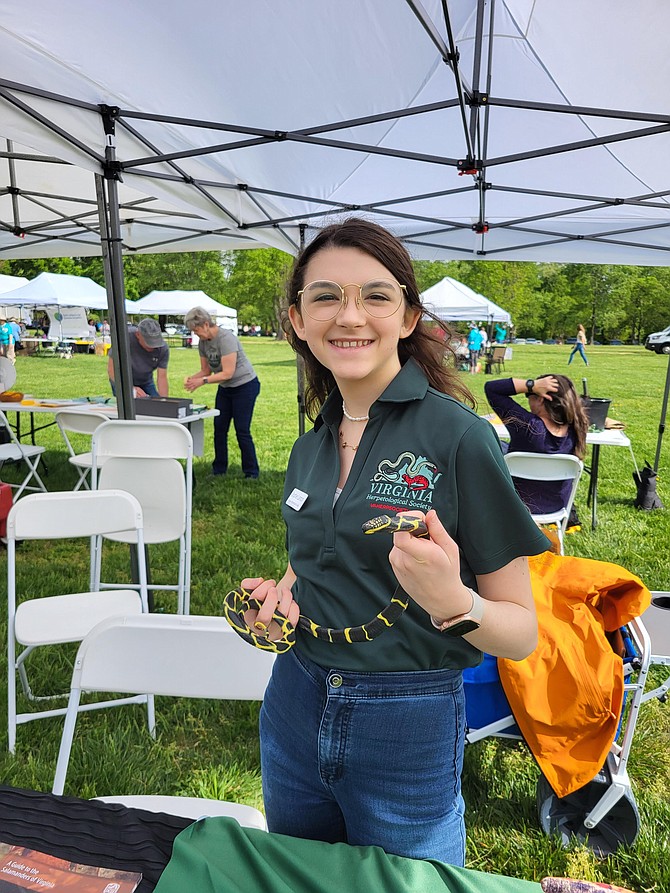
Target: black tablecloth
column 103, row 834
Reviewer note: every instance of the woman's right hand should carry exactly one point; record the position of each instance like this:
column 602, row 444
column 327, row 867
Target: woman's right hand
column 545, row 387
column 274, row 598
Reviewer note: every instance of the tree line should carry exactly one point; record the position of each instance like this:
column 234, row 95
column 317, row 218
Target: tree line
column 545, row 300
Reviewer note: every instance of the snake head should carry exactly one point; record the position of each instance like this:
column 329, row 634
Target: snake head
column 395, row 524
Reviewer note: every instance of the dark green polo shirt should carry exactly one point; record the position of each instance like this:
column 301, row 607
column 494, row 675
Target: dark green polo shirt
column 420, row 450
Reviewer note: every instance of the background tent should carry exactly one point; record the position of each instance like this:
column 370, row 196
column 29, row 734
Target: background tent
column 177, row 303
column 59, row 290
column 7, row 283
column 449, row 299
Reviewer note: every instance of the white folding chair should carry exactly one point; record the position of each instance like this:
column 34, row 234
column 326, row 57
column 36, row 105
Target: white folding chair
column 80, row 422
column 58, row 619
column 144, row 458
column 15, row 451
column 214, row 662
column 548, row 467
column 193, row 808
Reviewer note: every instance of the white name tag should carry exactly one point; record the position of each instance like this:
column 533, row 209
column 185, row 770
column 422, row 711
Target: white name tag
column 296, row 500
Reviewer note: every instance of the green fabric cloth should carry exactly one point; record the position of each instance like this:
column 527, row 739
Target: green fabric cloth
column 216, row 855
column 420, row 450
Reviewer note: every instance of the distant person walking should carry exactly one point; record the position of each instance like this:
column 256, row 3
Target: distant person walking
column 474, row 346
column 580, row 344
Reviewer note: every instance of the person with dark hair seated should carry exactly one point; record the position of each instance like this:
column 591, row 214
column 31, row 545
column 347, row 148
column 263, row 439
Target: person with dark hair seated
column 555, row 422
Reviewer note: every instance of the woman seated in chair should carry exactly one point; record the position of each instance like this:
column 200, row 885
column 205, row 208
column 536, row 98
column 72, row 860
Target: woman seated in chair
column 555, row 422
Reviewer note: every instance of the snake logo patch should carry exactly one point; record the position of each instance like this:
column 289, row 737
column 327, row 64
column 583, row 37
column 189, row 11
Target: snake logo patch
column 409, row 481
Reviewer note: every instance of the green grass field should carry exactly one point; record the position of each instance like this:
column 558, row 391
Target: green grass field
column 211, row 749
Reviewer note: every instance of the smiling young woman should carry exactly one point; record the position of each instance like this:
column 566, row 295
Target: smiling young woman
column 362, row 741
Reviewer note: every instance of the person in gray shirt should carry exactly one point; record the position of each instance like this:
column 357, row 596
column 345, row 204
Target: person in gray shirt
column 148, row 352
column 223, row 362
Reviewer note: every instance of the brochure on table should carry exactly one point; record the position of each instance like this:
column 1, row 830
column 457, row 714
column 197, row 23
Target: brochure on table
column 22, row 868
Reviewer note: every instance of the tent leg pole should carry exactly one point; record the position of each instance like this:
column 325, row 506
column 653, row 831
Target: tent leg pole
column 110, row 236
column 661, row 425
column 300, row 364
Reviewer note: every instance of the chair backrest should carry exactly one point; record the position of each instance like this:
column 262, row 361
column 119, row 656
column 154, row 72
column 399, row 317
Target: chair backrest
column 161, row 488
column 136, row 655
column 498, row 354
column 79, row 421
column 143, row 439
column 544, row 466
column 79, row 514
column 144, row 457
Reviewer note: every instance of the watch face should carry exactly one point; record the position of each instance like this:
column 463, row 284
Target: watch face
column 462, row 627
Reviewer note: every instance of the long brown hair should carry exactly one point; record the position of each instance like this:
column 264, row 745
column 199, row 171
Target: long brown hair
column 425, row 344
column 566, row 408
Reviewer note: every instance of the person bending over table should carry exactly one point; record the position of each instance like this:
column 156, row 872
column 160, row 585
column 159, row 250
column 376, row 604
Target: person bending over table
column 223, row 362
column 148, row 353
column 555, row 422
column 362, row 741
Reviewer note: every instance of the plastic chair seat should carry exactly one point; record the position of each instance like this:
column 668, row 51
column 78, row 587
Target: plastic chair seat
column 85, row 460
column 57, row 619
column 161, row 527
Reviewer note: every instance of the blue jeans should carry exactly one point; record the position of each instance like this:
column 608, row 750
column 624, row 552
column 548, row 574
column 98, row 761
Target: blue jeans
column 147, row 386
column 578, row 348
column 365, row 758
column 236, row 405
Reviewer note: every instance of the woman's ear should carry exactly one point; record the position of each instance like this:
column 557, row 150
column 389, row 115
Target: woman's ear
column 410, row 319
column 295, row 319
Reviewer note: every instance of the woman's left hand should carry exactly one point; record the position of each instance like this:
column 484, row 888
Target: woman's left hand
column 428, row 569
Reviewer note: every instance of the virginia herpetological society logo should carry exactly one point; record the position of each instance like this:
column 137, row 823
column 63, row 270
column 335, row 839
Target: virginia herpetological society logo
column 409, row 481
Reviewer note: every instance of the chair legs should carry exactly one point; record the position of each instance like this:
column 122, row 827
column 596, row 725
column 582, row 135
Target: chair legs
column 32, row 473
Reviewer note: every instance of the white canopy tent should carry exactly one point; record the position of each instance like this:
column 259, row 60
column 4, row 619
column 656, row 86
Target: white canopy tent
column 58, row 290
column 178, row 303
column 449, row 299
column 7, row 283
column 261, row 129
column 505, row 129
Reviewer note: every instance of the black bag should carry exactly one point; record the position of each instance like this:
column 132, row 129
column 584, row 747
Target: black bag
column 647, row 498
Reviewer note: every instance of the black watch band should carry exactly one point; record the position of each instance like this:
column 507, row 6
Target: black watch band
column 530, row 384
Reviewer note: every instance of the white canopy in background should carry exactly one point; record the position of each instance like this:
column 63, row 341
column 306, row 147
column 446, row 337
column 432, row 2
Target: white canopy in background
column 177, row 303
column 506, row 129
column 449, row 299
column 58, row 290
column 8, row 283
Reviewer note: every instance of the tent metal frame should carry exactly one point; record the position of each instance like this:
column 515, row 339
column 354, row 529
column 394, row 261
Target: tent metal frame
column 473, row 100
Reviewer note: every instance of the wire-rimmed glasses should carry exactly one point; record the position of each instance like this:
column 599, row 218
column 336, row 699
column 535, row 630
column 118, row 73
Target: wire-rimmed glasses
column 322, row 300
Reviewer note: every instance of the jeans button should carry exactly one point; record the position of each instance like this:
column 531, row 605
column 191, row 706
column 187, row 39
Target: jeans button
column 335, row 680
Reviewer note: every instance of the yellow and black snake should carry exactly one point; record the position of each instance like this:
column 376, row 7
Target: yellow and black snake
column 238, row 601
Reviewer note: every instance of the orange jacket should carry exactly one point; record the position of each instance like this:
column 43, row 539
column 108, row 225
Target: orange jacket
column 567, row 695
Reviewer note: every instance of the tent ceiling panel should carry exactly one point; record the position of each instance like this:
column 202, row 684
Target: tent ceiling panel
column 281, row 114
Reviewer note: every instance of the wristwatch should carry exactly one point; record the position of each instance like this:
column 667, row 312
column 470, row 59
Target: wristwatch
column 463, row 623
column 530, row 384
column 205, row 380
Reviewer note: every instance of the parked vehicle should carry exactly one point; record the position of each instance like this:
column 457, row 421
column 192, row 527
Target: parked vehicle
column 659, row 342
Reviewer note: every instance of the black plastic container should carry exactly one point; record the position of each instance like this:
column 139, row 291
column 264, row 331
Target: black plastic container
column 597, row 409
